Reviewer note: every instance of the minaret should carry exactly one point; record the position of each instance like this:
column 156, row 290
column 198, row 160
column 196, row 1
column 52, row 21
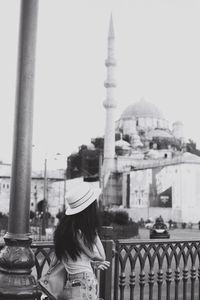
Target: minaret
column 110, row 106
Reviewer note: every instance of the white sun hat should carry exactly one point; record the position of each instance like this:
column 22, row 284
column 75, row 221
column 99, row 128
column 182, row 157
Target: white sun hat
column 80, row 197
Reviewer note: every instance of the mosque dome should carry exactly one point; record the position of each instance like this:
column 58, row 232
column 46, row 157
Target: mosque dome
column 142, row 109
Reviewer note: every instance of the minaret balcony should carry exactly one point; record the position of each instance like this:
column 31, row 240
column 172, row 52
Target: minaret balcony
column 110, row 84
column 110, row 103
column 110, row 62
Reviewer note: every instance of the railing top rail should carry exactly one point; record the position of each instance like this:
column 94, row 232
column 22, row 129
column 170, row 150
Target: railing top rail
column 36, row 244
column 157, row 241
column 42, row 244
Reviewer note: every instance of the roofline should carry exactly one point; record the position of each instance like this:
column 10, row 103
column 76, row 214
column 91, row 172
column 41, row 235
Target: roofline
column 146, row 164
column 36, row 178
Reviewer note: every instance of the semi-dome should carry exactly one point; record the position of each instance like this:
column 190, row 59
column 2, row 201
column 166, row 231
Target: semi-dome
column 91, row 146
column 142, row 109
column 152, row 153
column 122, row 144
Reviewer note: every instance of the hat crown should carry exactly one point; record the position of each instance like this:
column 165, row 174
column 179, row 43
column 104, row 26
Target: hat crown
column 77, row 193
column 80, row 197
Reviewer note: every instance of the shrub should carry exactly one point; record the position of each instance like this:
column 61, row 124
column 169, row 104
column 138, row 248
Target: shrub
column 106, row 217
column 3, row 221
column 122, row 226
column 121, row 217
column 127, row 231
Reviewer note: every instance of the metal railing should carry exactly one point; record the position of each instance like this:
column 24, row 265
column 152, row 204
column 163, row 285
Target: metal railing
column 44, row 251
column 141, row 270
column 157, row 269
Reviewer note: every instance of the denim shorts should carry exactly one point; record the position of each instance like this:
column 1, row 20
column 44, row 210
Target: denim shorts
column 81, row 286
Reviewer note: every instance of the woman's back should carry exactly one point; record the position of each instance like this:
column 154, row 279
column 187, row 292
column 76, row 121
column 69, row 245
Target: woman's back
column 82, row 264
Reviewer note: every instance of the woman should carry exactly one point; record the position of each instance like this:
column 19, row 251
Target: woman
column 78, row 245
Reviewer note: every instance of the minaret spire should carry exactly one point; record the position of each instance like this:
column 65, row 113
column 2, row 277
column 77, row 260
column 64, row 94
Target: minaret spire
column 111, row 34
column 110, row 106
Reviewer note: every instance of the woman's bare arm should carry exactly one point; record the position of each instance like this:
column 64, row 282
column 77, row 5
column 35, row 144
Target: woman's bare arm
column 100, row 247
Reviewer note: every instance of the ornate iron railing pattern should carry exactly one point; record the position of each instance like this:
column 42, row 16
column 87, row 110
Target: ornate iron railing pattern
column 150, row 269
column 43, row 252
column 157, row 269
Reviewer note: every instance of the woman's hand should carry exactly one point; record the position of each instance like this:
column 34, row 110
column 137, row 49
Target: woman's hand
column 101, row 265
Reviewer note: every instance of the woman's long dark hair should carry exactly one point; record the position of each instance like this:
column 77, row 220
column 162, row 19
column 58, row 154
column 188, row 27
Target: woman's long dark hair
column 65, row 235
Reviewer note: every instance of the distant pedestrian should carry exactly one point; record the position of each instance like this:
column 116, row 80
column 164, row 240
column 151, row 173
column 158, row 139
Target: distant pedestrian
column 78, row 245
column 170, row 223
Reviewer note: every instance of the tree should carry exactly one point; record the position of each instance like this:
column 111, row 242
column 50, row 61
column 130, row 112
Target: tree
column 192, row 147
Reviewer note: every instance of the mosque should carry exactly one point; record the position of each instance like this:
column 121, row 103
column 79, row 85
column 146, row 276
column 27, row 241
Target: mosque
column 148, row 170
column 151, row 173
column 146, row 166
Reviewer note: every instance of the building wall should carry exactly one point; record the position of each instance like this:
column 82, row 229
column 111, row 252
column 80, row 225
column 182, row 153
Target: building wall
column 149, row 213
column 55, row 194
column 4, row 194
column 190, row 185
column 171, row 191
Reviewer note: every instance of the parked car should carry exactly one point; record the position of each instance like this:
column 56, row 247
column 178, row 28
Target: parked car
column 159, row 230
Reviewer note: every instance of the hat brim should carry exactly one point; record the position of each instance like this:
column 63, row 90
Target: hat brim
column 72, row 211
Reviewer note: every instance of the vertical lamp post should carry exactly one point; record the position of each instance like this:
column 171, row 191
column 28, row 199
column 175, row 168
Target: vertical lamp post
column 64, row 192
column 64, row 186
column 44, row 207
column 16, row 258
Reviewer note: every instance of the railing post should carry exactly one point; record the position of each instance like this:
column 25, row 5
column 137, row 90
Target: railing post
column 17, row 258
column 106, row 276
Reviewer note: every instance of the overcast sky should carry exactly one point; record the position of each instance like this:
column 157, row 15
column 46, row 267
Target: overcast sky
column 157, row 50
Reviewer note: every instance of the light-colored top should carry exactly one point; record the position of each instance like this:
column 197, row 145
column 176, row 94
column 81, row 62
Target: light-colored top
column 83, row 262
